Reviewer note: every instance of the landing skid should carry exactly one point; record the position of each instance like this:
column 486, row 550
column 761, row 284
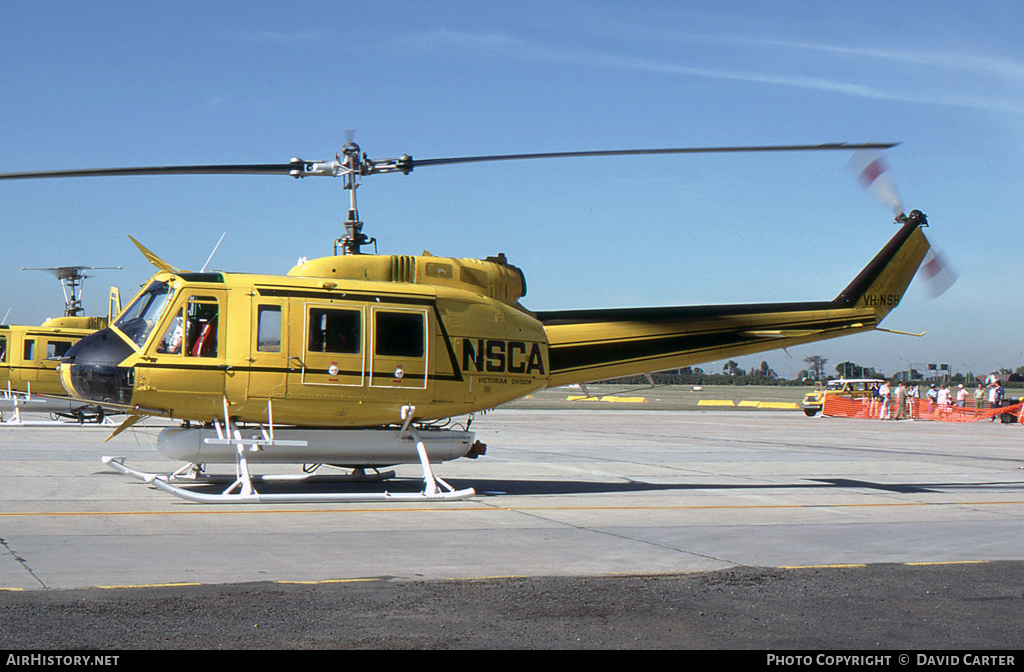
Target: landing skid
column 166, row 482
column 242, row 491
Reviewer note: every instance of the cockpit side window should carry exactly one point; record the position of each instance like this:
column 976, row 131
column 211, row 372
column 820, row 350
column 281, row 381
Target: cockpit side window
column 3, row 349
column 139, row 319
column 172, row 339
column 201, row 317
column 193, row 329
column 57, row 349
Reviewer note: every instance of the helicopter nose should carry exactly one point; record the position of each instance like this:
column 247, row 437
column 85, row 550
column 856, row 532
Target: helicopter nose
column 90, row 371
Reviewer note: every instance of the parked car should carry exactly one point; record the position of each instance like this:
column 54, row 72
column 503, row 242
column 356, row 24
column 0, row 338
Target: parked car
column 847, row 388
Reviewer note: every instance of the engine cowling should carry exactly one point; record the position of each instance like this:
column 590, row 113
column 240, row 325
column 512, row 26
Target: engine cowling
column 492, row 277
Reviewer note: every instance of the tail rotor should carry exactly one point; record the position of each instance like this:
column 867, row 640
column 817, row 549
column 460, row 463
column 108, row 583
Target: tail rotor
column 871, row 170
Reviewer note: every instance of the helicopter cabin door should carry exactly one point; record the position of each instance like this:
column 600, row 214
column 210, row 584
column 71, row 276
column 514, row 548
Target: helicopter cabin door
column 333, row 345
column 29, row 370
column 188, row 361
column 268, row 349
column 51, row 348
column 399, row 350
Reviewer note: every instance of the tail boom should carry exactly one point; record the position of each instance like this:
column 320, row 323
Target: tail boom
column 586, row 345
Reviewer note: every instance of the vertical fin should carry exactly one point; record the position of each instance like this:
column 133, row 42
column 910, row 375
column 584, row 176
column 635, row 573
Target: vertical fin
column 884, row 280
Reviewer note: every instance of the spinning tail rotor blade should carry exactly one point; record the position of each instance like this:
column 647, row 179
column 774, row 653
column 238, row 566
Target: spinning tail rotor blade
column 938, row 273
column 872, row 172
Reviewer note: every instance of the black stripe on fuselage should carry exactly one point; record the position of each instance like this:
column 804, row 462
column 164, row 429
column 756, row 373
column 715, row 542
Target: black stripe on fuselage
column 583, row 355
column 339, row 295
column 675, row 313
column 286, row 370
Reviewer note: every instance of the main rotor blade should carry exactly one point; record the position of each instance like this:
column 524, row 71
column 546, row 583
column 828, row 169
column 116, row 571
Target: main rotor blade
column 227, row 169
column 416, row 163
column 300, row 168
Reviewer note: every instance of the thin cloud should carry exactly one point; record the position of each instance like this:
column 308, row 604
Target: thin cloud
column 1001, row 67
column 508, row 47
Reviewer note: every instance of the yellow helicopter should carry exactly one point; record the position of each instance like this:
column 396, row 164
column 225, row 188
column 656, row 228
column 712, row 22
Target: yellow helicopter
column 30, row 355
column 354, row 360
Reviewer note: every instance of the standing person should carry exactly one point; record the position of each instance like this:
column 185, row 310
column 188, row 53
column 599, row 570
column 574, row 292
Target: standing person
column 933, row 396
column 961, row 396
column 995, row 397
column 979, row 396
column 884, row 392
column 914, row 399
column 901, row 401
column 944, row 399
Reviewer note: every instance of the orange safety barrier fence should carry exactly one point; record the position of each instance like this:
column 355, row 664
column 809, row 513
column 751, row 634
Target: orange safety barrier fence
column 916, row 409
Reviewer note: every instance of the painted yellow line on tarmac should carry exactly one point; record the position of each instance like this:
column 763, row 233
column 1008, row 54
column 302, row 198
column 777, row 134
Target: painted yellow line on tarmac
column 907, row 564
column 325, row 581
column 949, row 562
column 484, row 507
column 151, row 585
column 500, row 577
column 836, row 566
column 613, row 400
column 715, row 402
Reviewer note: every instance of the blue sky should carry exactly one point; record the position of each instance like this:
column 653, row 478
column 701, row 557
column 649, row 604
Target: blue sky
column 104, row 84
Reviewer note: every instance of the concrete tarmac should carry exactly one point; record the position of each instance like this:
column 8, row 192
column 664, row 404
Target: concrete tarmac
column 567, row 494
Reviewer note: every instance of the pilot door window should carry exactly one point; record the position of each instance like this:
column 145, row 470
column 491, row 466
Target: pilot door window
column 193, row 331
column 3, row 349
column 57, row 349
column 29, row 352
column 337, row 331
column 268, row 329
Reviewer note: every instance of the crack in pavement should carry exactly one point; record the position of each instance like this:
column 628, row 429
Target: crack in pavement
column 24, row 564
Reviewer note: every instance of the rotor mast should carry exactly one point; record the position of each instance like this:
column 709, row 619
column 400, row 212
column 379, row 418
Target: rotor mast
column 354, row 166
column 72, row 280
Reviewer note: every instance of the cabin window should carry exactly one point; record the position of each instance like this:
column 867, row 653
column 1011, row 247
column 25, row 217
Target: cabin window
column 29, row 352
column 332, row 330
column 57, row 349
column 3, row 348
column 399, row 334
column 268, row 329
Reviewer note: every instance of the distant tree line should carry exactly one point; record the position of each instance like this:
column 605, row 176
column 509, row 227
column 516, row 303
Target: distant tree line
column 733, row 374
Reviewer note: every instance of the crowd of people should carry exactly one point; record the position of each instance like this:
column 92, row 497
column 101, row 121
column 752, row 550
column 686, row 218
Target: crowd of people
column 899, row 401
